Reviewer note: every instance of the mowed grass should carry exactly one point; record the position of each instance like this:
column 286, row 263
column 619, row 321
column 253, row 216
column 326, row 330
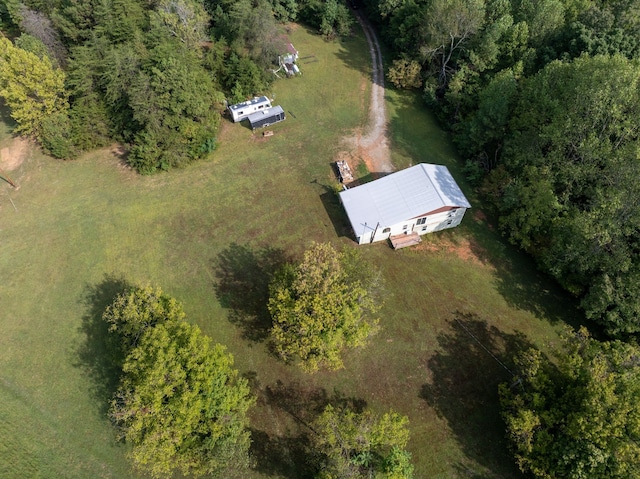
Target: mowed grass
column 210, row 235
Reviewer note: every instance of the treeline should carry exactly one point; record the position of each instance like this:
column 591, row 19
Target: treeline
column 80, row 74
column 542, row 98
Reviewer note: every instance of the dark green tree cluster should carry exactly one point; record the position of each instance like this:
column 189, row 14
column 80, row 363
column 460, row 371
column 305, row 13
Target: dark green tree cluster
column 579, row 418
column 180, row 405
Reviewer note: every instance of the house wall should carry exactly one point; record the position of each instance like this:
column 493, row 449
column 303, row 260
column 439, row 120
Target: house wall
column 433, row 222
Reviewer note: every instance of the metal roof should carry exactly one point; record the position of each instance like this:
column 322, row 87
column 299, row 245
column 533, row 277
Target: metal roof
column 254, row 101
column 274, row 110
column 392, row 199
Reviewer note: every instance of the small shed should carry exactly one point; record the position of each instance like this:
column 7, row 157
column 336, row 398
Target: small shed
column 240, row 111
column 414, row 201
column 266, row 117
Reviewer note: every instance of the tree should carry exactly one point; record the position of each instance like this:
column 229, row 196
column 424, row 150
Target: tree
column 180, row 404
column 362, row 445
column 581, row 418
column 31, row 87
column 187, row 20
column 322, row 306
column 447, row 25
column 138, row 309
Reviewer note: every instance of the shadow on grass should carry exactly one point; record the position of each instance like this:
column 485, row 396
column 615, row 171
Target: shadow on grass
column 100, row 354
column 242, row 282
column 292, row 456
column 518, row 278
column 473, row 359
column 335, row 211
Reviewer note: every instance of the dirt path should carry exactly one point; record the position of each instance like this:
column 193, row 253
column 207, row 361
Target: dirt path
column 371, row 145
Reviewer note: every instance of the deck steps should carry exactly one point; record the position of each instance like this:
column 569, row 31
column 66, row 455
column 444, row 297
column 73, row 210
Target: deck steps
column 402, row 241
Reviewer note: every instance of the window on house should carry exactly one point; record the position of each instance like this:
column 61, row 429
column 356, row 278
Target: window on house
column 421, row 221
column 404, row 227
column 386, row 230
column 240, row 112
column 424, row 228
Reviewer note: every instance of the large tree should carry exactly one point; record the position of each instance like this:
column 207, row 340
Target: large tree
column 322, row 306
column 362, row 445
column 180, row 404
column 31, row 87
column 579, row 419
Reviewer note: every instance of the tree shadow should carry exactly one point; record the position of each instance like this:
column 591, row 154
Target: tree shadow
column 518, row 278
column 242, row 282
column 292, row 455
column 287, row 457
column 473, row 359
column 100, row 354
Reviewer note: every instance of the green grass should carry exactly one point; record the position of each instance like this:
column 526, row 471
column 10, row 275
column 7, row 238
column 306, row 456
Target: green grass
column 209, row 235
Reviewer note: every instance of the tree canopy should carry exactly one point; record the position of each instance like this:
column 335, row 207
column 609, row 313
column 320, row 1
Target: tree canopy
column 579, row 419
column 360, row 445
column 322, row 306
column 180, row 404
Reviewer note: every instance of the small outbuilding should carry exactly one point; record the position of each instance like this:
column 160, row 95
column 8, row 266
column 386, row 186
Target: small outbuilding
column 266, row 117
column 412, row 202
column 240, row 111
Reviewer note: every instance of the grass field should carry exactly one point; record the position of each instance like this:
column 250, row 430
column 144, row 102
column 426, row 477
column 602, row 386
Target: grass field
column 209, row 235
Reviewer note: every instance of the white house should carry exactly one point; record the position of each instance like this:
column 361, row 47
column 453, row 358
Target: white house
column 240, row 111
column 418, row 200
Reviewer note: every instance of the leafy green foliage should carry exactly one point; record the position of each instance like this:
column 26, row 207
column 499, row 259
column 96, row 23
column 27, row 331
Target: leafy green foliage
column 322, row 306
column 580, row 419
column 180, row 404
column 133, row 312
column 30, row 86
column 330, row 17
column 572, row 195
column 362, row 445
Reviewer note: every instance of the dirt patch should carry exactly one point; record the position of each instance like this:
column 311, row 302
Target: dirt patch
column 14, row 153
column 464, row 248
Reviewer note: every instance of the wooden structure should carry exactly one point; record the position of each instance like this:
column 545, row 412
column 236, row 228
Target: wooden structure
column 402, row 241
column 344, row 172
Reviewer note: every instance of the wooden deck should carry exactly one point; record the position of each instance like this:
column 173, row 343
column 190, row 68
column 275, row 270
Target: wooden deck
column 402, row 241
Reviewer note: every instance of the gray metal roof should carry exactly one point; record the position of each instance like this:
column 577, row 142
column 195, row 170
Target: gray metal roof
column 405, row 194
column 274, row 110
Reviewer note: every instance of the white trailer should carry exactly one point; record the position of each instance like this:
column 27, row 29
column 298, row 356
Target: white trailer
column 240, row 111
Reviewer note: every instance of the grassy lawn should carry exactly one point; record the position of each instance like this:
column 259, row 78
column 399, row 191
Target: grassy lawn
column 209, row 235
